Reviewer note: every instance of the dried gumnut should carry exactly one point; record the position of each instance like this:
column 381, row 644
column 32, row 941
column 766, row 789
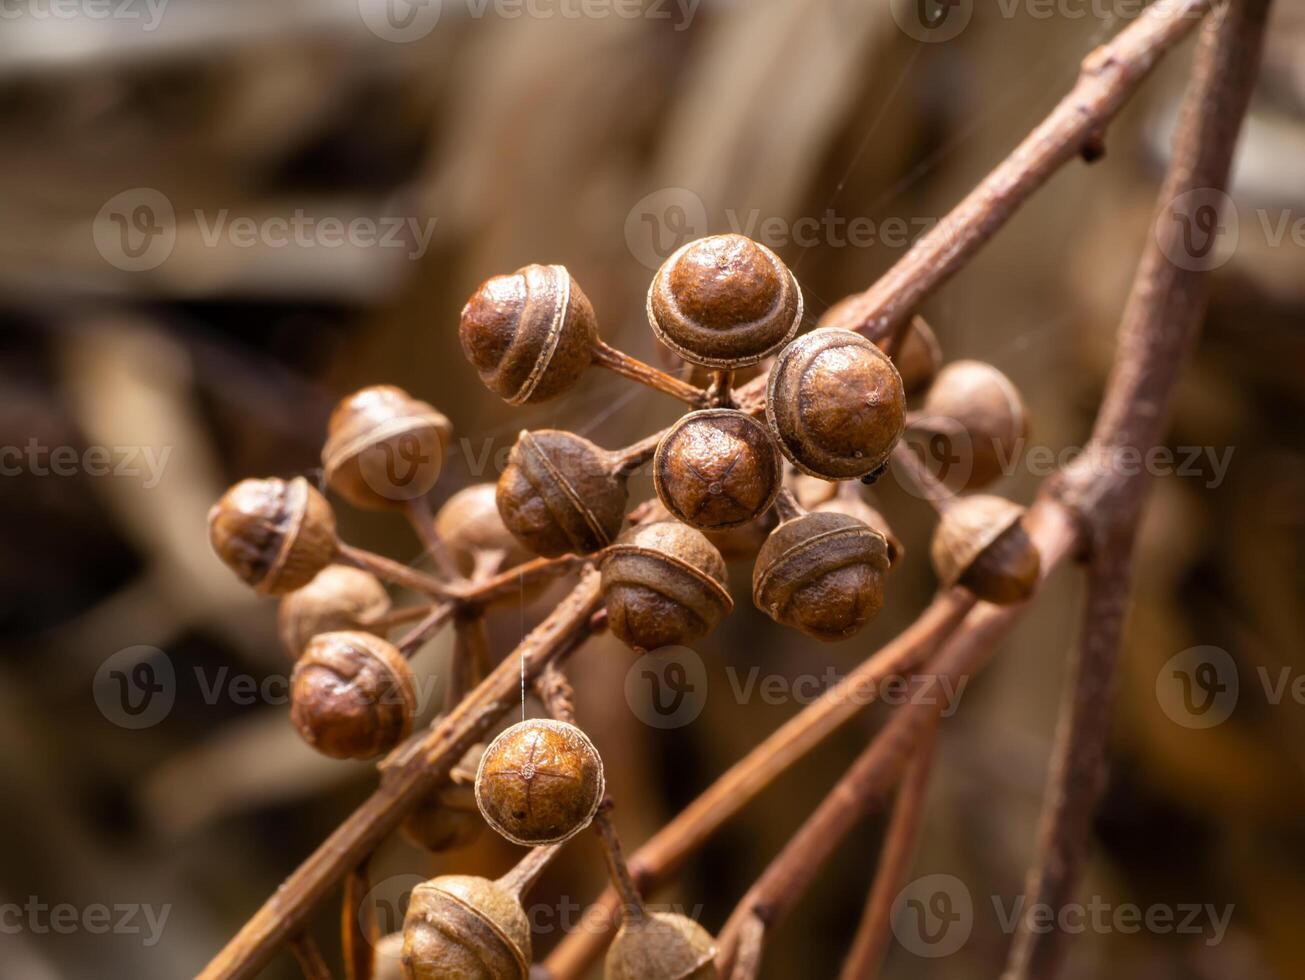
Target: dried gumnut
column 716, row 469
column 920, row 356
column 980, row 543
column 540, row 782
column 460, row 927
column 663, row 584
column 339, row 598
column 530, row 335
column 661, row 946
column 810, row 491
column 276, row 535
column 835, row 404
column 560, row 493
column 448, row 818
column 980, row 411
column 724, row 302
column 384, row 447
column 352, row 695
column 822, row 573
column 863, row 512
column 469, row 525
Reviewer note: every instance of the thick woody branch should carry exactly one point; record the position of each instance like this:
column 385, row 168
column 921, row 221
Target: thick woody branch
column 1160, row 321
column 431, row 760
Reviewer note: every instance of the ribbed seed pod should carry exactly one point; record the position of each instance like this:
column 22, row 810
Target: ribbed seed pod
column 980, row 543
column 835, row 404
column 724, row 302
column 863, row 512
column 469, row 524
column 661, row 947
column 448, row 817
column 988, row 410
column 384, row 447
column 821, row 573
column 540, row 782
column 663, row 584
column 560, row 494
column 352, row 695
column 717, row 468
column 920, row 358
column 530, row 335
column 276, row 535
column 460, row 927
column 339, row 598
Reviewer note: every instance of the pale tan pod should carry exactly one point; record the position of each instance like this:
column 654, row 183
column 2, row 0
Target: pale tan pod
column 661, row 947
column 338, row 598
column 461, row 927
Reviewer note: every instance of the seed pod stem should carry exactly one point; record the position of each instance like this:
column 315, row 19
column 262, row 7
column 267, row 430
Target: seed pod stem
column 625, row 461
column 632, row 907
column 508, row 584
column 926, row 484
column 519, row 880
column 623, row 364
column 415, row 638
column 391, row 570
column 787, row 506
column 311, row 963
column 423, row 523
column 719, row 394
column 359, row 932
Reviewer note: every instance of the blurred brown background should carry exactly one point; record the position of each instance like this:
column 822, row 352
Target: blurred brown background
column 600, row 142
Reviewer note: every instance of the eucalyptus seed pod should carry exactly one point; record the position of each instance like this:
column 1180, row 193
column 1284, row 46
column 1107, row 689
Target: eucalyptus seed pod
column 663, row 584
column 540, row 782
column 448, row 818
column 810, row 491
column 986, row 407
column 560, row 493
column 863, row 512
column 531, row 334
column 352, row 695
column 743, row 542
column 980, row 543
column 717, row 468
column 835, row 404
column 470, row 526
column 724, row 302
column 661, row 947
column 339, row 598
column 460, row 927
column 384, row 448
column 276, row 535
column 388, row 963
column 821, row 573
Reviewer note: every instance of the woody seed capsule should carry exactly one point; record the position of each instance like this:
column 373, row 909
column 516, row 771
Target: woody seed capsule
column 276, row 535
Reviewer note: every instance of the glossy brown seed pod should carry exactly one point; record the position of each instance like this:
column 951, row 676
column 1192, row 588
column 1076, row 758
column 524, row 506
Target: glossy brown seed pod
column 352, row 695
column 448, row 817
column 835, row 404
column 540, row 782
column 920, row 358
column 339, row 598
column 863, row 512
column 724, row 302
column 717, row 468
column 561, row 494
column 661, row 946
column 384, row 447
column 470, row 526
column 276, row 535
column 988, row 409
column 461, row 927
column 530, row 334
column 980, row 543
column 821, row 573
column 663, row 584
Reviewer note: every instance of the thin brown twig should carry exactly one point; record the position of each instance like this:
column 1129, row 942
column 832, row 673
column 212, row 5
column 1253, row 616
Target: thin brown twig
column 1161, row 319
column 645, row 374
column 359, row 931
column 871, row 941
column 309, row 957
